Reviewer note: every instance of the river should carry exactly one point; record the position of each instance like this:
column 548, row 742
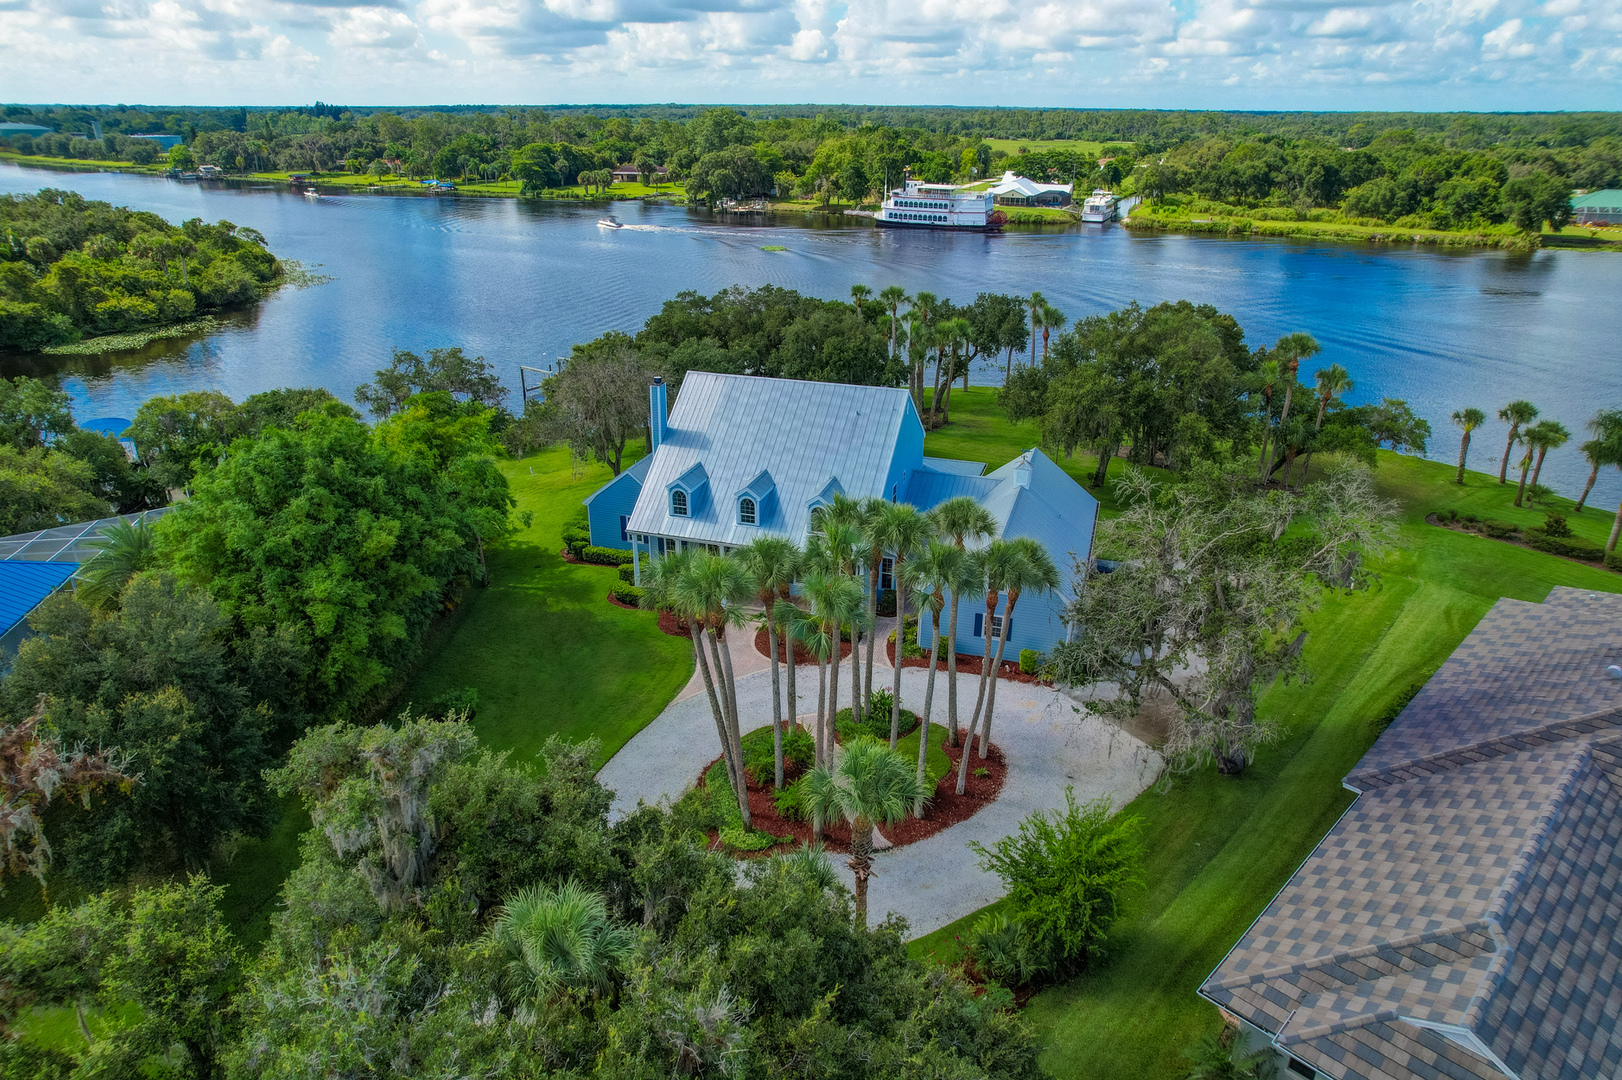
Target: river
column 519, row 282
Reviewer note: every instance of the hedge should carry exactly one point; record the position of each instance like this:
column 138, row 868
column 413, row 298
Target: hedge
column 627, row 594
column 1572, row 547
column 604, row 556
column 628, row 573
column 1613, row 561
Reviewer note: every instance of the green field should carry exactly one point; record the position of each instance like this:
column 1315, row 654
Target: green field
column 1219, row 848
column 1081, row 146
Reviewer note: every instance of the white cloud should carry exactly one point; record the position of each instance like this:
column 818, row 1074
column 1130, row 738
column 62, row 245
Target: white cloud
column 1511, row 54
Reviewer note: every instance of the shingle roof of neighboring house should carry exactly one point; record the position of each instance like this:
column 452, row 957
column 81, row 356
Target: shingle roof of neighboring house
column 804, row 433
column 1461, row 919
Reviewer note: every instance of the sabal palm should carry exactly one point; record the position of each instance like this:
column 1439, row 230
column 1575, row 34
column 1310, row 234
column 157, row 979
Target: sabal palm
column 922, row 317
column 872, row 546
column 1036, row 304
column 841, row 525
column 1332, row 382
column 960, row 520
column 836, row 599
column 558, row 939
column 660, row 593
column 1051, row 319
column 1466, row 420
column 1605, row 448
column 859, row 295
column 709, row 590
column 932, row 572
column 772, row 563
column 952, row 334
column 993, row 567
column 1266, row 381
column 125, row 550
column 866, row 784
column 1292, row 349
column 1550, row 435
column 1516, row 414
column 892, row 297
column 1031, row 571
column 901, row 529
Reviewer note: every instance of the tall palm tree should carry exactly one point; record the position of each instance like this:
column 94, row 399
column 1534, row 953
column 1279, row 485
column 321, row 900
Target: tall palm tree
column 960, row 520
column 859, row 295
column 934, row 571
column 1051, row 319
column 557, row 939
column 772, row 563
column 1526, row 439
column 1466, row 420
column 1552, row 435
column 866, row 784
column 1604, row 449
column 841, row 525
column 993, row 566
column 660, row 593
column 921, row 316
column 900, row 529
column 1290, row 350
column 956, row 333
column 872, row 545
column 1266, row 378
column 711, row 589
column 1515, row 414
column 1332, row 382
column 1037, row 303
column 1032, row 571
column 126, row 550
column 892, row 297
column 836, row 599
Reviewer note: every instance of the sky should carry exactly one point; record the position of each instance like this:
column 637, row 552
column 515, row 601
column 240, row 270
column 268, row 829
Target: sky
column 1200, row 54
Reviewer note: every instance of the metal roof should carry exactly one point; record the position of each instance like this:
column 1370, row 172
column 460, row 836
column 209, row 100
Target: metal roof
column 955, row 466
column 1609, row 199
column 68, row 543
column 803, row 433
column 1012, row 183
column 24, row 584
column 637, row 472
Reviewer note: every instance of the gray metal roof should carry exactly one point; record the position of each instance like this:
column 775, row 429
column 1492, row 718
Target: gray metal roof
column 804, row 433
column 68, row 543
column 1461, row 919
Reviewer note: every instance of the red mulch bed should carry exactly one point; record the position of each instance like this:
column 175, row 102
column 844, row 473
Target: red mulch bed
column 945, row 808
column 967, row 665
column 801, row 655
column 617, row 602
column 673, row 625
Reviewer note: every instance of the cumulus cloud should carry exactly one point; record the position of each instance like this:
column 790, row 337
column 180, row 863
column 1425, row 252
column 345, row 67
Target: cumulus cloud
column 1200, row 53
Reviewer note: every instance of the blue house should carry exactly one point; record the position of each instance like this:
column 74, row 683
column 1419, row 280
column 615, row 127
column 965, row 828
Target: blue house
column 740, row 457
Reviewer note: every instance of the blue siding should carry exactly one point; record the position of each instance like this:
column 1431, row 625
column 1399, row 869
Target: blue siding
column 610, row 506
column 1038, row 624
column 907, row 457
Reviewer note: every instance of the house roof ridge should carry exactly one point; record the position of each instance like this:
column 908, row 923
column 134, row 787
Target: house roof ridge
column 1498, row 746
column 889, row 390
column 1348, row 955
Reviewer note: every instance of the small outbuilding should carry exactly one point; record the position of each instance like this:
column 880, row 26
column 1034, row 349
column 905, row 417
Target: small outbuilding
column 1015, row 190
column 1597, row 208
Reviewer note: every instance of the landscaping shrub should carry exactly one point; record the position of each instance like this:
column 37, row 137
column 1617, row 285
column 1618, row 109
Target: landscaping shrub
column 462, row 699
column 1613, row 560
column 576, row 534
column 886, row 603
column 876, row 723
column 628, row 573
column 1030, row 661
column 799, row 750
column 1067, row 875
column 1001, row 948
column 791, row 801
column 577, row 547
column 909, row 632
column 1572, row 547
column 1498, row 530
column 626, row 594
column 1556, row 525
column 1539, row 494
column 604, row 556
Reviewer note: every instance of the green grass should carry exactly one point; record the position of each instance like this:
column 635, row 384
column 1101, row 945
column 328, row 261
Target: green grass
column 547, row 652
column 160, row 166
column 1039, row 215
column 1219, row 848
column 1080, row 146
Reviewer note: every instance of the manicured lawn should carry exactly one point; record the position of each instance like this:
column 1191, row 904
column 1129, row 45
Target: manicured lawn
column 1219, row 848
column 1011, row 146
column 547, row 652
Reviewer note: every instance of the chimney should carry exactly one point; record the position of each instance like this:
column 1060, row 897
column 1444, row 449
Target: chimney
column 657, row 410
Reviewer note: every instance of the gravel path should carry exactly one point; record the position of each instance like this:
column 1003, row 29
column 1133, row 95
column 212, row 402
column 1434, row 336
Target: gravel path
column 1048, row 741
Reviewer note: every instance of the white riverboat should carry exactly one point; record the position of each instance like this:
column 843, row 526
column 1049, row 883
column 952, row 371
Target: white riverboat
column 922, row 205
column 1100, row 206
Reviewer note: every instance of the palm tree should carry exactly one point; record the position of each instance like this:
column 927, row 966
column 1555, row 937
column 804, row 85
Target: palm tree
column 1266, row 379
column 557, row 939
column 954, row 333
column 866, row 784
column 859, row 295
column 1037, row 303
column 660, row 592
column 1032, row 571
column 1526, row 439
column 900, row 529
column 960, row 519
column 1466, row 420
column 841, row 525
column 710, row 589
column 1290, row 349
column 836, row 599
column 772, row 563
column 1515, row 414
column 922, row 317
column 1051, row 319
column 933, row 572
column 892, row 297
column 991, row 567
column 1604, row 449
column 873, row 544
column 1552, row 435
column 1333, row 381
column 125, row 550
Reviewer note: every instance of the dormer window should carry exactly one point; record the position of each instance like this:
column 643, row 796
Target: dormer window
column 678, row 503
column 746, row 511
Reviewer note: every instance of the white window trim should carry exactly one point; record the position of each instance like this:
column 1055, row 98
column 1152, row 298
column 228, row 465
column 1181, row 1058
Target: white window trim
column 686, row 503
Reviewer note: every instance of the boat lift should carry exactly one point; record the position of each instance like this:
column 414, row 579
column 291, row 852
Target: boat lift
column 523, row 384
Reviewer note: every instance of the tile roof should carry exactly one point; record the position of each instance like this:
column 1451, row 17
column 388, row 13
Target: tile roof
column 1461, row 918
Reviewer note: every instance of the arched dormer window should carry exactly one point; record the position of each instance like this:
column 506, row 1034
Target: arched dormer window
column 678, row 503
column 746, row 511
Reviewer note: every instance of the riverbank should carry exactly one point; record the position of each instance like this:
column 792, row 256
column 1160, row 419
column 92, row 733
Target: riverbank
column 1239, row 225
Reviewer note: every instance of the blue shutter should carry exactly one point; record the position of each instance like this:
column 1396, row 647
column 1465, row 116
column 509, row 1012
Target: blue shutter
column 625, row 536
column 1008, row 628
column 979, row 623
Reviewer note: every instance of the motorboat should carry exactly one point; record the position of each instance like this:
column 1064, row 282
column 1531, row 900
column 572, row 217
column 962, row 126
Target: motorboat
column 609, row 222
column 311, row 193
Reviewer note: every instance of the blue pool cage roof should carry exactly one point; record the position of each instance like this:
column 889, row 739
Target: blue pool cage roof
column 74, row 543
column 24, row 584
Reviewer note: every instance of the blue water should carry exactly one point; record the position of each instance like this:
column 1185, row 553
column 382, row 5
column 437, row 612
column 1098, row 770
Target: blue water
column 520, row 282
